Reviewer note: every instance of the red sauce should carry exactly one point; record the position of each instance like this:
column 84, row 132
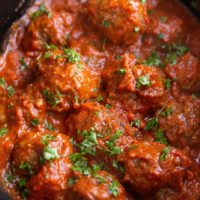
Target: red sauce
column 100, row 100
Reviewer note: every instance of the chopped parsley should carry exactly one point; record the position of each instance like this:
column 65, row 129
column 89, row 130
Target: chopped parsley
column 10, row 90
column 48, row 55
column 9, row 177
column 50, row 153
column 21, row 183
column 71, row 181
column 3, row 131
column 72, row 55
column 23, row 63
column 51, row 47
column 47, row 138
column 51, row 98
column 35, row 122
column 153, row 60
column 136, row 29
column 174, row 51
column 49, row 127
column 108, row 106
column 106, row 23
column 41, row 11
column 167, row 112
column 26, row 166
column 160, row 137
column 161, row 36
column 152, row 123
column 114, row 188
column 99, row 98
column 88, row 145
column 117, row 166
column 118, row 57
column 112, row 149
column 122, row 71
column 143, row 1
column 99, row 178
column 80, row 164
column 143, row 81
column 163, row 19
column 2, row 82
column 164, row 153
column 167, row 83
column 135, row 123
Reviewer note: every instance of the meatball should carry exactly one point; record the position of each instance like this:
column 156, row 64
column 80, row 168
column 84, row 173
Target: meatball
column 103, row 120
column 191, row 191
column 137, row 87
column 66, row 81
column 186, row 73
column 150, row 166
column 32, row 149
column 48, row 29
column 100, row 132
column 166, row 27
column 43, row 161
column 28, row 109
column 119, row 20
column 100, row 186
column 181, row 124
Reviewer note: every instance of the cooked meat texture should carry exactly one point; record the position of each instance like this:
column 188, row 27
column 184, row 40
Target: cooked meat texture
column 105, row 121
column 101, row 186
column 48, row 29
column 141, row 87
column 186, row 73
column 31, row 148
column 119, row 20
column 43, row 159
column 65, row 83
column 149, row 166
column 27, row 107
column 165, row 27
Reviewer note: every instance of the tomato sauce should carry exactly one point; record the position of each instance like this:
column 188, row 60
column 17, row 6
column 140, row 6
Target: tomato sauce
column 100, row 100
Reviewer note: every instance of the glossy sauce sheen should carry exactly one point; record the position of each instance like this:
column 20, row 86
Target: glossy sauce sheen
column 99, row 100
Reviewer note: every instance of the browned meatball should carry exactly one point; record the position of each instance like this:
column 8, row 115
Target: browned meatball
column 164, row 26
column 51, row 29
column 100, row 186
column 43, row 161
column 152, row 3
column 186, row 73
column 138, row 87
column 102, row 133
column 103, row 120
column 191, row 191
column 119, row 20
column 66, row 81
column 31, row 151
column 28, row 109
column 182, row 123
column 150, row 166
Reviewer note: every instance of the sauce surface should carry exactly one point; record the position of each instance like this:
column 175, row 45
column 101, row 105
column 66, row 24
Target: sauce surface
column 99, row 100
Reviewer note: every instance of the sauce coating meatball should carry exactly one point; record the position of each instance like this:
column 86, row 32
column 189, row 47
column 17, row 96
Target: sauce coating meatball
column 186, row 73
column 43, row 158
column 141, row 87
column 148, row 169
column 101, row 186
column 119, row 20
column 48, row 29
